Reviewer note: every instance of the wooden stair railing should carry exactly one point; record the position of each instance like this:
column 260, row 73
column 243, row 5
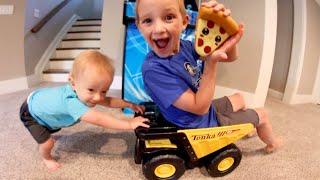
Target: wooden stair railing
column 43, row 21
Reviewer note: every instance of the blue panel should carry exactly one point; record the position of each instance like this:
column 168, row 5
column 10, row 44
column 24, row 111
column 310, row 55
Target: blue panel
column 130, row 9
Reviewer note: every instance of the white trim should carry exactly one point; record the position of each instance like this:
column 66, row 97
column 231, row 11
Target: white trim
column 316, row 90
column 269, row 44
column 302, row 98
column 53, row 45
column 33, row 80
column 275, row 94
column 297, row 52
column 221, row 91
column 12, row 85
column 117, row 83
column 55, row 77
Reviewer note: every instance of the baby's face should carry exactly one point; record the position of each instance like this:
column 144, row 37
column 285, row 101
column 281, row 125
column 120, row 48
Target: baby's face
column 91, row 87
column 161, row 23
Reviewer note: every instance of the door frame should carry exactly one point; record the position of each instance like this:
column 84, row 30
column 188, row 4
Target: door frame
column 297, row 53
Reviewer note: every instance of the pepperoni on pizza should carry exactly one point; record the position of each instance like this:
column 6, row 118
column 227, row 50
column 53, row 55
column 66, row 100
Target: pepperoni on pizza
column 212, row 29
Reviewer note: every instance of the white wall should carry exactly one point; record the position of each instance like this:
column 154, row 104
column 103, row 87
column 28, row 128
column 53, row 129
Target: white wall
column 112, row 32
column 43, row 6
column 305, row 50
column 20, row 50
column 283, row 48
column 91, row 9
column 12, row 71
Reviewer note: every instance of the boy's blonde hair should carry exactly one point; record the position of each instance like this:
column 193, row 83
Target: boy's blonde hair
column 91, row 59
column 181, row 7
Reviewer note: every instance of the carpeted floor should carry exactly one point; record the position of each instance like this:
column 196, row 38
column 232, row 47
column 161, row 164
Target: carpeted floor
column 89, row 152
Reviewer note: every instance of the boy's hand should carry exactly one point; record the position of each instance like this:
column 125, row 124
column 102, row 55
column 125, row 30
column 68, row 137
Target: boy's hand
column 138, row 121
column 228, row 51
column 216, row 7
column 137, row 108
column 221, row 53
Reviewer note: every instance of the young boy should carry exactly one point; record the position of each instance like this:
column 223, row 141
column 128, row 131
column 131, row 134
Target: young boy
column 184, row 96
column 48, row 110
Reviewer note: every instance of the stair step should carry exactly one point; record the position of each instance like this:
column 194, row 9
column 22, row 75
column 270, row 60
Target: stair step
column 88, row 22
column 91, row 31
column 67, row 53
column 55, row 77
column 85, row 25
column 61, row 59
column 60, row 64
column 56, row 71
column 80, row 44
column 82, row 35
column 94, row 19
column 83, row 39
column 85, row 28
column 77, row 48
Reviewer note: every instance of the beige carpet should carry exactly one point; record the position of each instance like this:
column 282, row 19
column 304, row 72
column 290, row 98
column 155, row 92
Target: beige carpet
column 90, row 152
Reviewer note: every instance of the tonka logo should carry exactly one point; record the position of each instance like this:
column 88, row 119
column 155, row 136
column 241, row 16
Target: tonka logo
column 212, row 136
column 203, row 137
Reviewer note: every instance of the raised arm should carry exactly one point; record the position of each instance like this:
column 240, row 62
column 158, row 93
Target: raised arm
column 230, row 47
column 199, row 103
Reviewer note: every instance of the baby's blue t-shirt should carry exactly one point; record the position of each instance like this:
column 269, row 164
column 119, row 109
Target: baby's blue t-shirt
column 56, row 107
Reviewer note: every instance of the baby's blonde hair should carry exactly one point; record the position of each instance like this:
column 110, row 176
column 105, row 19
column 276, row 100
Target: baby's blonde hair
column 181, row 8
column 91, row 59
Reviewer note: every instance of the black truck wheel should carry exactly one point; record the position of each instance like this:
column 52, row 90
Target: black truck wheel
column 138, row 151
column 224, row 161
column 164, row 167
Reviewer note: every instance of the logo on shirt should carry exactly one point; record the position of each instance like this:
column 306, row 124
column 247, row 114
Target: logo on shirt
column 195, row 73
column 191, row 70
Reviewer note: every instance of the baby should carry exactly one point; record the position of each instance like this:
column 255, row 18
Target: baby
column 48, row 110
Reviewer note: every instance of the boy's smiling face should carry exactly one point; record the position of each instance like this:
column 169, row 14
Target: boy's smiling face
column 161, row 23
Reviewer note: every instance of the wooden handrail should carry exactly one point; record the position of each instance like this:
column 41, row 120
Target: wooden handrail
column 43, row 21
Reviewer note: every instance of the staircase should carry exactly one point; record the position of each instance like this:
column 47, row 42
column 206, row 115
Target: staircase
column 84, row 34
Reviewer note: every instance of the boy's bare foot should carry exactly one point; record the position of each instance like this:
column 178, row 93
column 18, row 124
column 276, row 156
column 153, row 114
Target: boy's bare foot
column 275, row 146
column 51, row 164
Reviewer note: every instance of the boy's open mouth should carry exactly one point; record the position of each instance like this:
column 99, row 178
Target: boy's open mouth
column 161, row 43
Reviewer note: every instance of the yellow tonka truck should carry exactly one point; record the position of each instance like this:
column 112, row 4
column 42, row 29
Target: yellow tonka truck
column 165, row 151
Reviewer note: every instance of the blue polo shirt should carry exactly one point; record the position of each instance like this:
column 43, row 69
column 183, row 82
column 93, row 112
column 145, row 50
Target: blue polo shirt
column 56, row 107
column 166, row 79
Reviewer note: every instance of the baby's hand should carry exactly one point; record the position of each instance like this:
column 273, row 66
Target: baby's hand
column 137, row 108
column 217, row 7
column 138, row 121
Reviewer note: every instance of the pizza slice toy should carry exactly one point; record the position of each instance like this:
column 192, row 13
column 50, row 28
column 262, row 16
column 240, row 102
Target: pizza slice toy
column 212, row 29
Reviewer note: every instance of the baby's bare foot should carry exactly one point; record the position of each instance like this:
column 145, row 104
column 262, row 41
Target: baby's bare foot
column 51, row 164
column 274, row 146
